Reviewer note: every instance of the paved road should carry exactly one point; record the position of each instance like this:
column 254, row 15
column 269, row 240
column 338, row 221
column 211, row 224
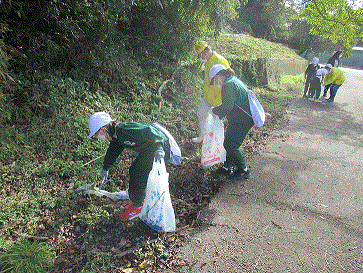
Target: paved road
column 351, row 93
column 302, row 208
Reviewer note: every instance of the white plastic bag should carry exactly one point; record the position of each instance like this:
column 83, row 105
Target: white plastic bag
column 157, row 211
column 175, row 153
column 257, row 112
column 213, row 151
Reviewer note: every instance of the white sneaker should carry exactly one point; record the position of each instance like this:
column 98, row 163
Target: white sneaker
column 197, row 139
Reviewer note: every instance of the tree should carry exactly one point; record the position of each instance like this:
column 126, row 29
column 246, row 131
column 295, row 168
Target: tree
column 88, row 38
column 300, row 38
column 335, row 20
column 263, row 17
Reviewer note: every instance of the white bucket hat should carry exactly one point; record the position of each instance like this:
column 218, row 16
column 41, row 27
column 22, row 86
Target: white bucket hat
column 215, row 69
column 328, row 66
column 97, row 121
column 315, row 60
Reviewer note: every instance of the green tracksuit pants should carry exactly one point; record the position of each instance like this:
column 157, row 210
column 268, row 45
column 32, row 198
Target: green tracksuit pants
column 235, row 134
column 139, row 174
column 315, row 88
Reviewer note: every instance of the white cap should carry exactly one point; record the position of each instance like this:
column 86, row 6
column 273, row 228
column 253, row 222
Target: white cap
column 215, row 69
column 328, row 66
column 315, row 60
column 97, row 121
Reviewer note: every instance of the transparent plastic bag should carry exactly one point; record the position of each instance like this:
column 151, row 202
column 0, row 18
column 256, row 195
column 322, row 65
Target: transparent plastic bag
column 157, row 211
column 213, row 151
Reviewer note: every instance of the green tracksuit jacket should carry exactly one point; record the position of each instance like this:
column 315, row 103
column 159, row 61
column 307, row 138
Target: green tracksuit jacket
column 234, row 92
column 144, row 139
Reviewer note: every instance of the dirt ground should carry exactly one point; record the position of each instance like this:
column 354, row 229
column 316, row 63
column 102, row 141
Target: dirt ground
column 301, row 210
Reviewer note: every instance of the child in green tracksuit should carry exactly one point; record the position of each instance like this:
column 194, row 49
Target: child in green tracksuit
column 151, row 141
column 309, row 75
column 234, row 97
column 315, row 85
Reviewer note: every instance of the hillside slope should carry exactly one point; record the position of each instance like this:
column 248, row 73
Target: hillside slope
column 45, row 155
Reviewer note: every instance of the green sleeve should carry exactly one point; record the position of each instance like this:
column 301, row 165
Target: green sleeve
column 113, row 151
column 228, row 100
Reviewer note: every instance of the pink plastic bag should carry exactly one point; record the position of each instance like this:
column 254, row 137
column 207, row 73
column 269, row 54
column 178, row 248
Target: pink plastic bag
column 213, row 151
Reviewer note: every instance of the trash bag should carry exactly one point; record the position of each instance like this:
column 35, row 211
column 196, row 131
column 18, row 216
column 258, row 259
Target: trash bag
column 175, row 153
column 157, row 211
column 213, row 151
column 257, row 111
column 117, row 195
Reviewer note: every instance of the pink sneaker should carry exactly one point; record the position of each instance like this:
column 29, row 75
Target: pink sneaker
column 130, row 212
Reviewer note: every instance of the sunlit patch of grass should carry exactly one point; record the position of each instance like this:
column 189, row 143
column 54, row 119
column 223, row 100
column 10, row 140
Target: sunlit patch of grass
column 247, row 47
column 292, row 79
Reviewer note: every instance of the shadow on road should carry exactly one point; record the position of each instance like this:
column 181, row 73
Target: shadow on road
column 277, row 174
column 327, row 119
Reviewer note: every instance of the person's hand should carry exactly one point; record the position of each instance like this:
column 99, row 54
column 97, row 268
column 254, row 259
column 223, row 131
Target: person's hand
column 104, row 175
column 159, row 154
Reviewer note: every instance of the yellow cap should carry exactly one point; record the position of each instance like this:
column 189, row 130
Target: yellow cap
column 199, row 47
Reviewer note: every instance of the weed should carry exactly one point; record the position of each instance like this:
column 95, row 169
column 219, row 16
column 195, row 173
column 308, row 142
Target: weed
column 96, row 214
column 152, row 254
column 26, row 257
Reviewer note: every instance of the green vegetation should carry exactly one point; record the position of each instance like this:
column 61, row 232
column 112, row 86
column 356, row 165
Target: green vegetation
column 26, row 257
column 316, row 26
column 292, row 79
column 45, row 154
column 61, row 61
column 335, row 20
column 247, row 48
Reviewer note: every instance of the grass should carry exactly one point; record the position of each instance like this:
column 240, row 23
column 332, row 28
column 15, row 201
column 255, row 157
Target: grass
column 26, row 257
column 43, row 158
column 247, row 48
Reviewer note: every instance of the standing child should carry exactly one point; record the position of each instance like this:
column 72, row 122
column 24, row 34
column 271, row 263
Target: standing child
column 310, row 73
column 316, row 82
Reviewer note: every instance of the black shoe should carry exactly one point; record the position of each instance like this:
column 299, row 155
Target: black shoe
column 238, row 175
column 222, row 171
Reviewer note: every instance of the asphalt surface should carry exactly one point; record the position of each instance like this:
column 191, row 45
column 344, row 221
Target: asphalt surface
column 302, row 208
